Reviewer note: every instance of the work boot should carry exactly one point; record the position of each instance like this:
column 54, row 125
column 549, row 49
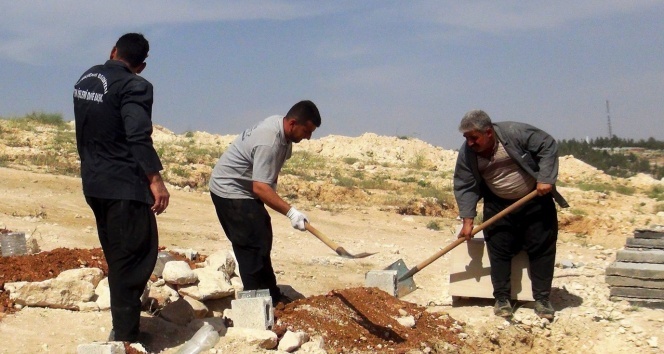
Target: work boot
column 502, row 308
column 543, row 309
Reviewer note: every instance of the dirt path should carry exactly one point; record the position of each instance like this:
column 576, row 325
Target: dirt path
column 54, row 209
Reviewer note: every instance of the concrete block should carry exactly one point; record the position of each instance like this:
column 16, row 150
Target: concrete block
column 470, row 273
column 646, row 271
column 253, row 313
column 385, row 280
column 641, row 256
column 645, row 243
column 641, row 293
column 616, row 280
column 101, row 348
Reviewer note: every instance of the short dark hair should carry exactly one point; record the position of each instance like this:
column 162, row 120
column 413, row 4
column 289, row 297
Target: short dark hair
column 133, row 48
column 304, row 111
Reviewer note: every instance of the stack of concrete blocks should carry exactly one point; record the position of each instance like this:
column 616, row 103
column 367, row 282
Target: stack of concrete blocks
column 637, row 275
column 253, row 309
column 470, row 273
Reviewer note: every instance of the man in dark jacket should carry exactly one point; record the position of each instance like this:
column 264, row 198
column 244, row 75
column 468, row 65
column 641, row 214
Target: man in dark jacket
column 501, row 163
column 120, row 173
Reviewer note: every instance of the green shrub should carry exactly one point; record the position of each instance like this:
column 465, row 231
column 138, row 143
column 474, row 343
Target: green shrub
column 54, row 119
column 656, row 193
column 433, row 225
column 350, row 160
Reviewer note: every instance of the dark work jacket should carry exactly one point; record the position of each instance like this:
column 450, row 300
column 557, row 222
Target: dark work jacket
column 535, row 151
column 112, row 109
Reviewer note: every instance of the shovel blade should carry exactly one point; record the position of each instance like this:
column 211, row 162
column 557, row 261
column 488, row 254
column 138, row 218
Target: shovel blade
column 404, row 286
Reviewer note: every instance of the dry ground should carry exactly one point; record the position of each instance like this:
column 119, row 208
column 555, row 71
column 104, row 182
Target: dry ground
column 52, row 209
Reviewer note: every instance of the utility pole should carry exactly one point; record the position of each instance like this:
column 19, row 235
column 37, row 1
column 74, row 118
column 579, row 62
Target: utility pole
column 608, row 118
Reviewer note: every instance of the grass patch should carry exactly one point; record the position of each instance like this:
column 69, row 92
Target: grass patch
column 656, row 193
column 659, row 207
column 302, row 163
column 606, row 188
column 578, row 212
column 350, row 160
column 433, row 225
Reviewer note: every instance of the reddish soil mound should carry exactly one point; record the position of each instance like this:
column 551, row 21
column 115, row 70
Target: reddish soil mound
column 45, row 265
column 365, row 320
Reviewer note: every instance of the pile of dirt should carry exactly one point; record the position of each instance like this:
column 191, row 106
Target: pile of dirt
column 43, row 266
column 366, row 320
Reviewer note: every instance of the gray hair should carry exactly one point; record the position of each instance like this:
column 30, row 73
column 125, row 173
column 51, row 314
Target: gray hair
column 476, row 119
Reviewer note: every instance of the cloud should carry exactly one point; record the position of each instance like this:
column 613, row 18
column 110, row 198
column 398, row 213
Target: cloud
column 499, row 17
column 31, row 32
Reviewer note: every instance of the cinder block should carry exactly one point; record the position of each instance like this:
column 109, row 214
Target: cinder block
column 254, row 313
column 470, row 273
column 385, row 280
column 616, row 280
column 649, row 233
column 641, row 293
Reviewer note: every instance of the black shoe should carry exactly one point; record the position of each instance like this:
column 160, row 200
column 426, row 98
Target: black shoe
column 543, row 309
column 502, row 308
column 282, row 299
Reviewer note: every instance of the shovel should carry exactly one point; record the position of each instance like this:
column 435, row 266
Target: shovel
column 340, row 250
column 405, row 283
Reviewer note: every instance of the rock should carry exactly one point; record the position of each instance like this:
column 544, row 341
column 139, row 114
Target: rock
column 291, row 341
column 407, row 321
column 178, row 273
column 103, row 295
column 261, row 338
column 211, row 284
column 223, row 261
column 178, row 312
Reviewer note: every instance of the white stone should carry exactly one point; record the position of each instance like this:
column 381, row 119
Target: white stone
column 261, row 338
column 223, row 261
column 407, row 321
column 101, row 348
column 211, row 284
column 291, row 341
column 179, row 273
column 103, row 295
column 90, row 275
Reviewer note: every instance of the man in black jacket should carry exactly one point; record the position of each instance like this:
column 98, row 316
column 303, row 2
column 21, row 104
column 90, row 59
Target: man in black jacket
column 120, row 173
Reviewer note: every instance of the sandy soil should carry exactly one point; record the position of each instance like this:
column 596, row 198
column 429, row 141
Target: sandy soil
column 53, row 209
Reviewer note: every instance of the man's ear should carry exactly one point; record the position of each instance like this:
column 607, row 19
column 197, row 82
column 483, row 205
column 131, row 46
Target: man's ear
column 114, row 51
column 141, row 67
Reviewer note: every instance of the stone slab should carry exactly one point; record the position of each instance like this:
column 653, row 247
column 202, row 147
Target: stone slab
column 647, row 233
column 641, row 293
column 616, row 280
column 645, row 243
column 641, row 256
column 385, row 280
column 646, row 271
column 253, row 313
column 101, row 348
column 470, row 273
column 649, row 303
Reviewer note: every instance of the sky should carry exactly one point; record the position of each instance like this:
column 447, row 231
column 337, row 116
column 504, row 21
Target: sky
column 394, row 68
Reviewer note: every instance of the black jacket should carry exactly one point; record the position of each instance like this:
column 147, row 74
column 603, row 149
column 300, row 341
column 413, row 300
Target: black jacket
column 112, row 109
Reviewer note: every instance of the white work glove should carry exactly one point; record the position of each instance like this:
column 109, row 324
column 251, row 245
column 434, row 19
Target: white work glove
column 297, row 219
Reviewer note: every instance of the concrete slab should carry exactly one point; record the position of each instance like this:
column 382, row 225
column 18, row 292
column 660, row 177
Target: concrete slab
column 641, row 293
column 641, row 256
column 253, row 313
column 101, row 348
column 649, row 303
column 645, row 243
column 470, row 273
column 646, row 271
column 616, row 280
column 647, row 233
column 385, row 280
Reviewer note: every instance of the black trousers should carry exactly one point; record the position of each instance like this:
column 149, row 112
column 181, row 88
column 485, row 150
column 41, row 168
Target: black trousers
column 248, row 226
column 128, row 236
column 533, row 227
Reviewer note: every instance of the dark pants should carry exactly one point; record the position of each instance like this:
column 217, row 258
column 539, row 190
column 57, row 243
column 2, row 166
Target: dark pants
column 533, row 227
column 128, row 236
column 248, row 226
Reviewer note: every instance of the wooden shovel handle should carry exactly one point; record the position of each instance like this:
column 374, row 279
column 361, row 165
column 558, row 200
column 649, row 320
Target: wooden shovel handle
column 321, row 237
column 477, row 229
